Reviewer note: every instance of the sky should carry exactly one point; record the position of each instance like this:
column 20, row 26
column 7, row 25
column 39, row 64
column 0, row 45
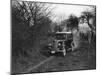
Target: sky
column 62, row 11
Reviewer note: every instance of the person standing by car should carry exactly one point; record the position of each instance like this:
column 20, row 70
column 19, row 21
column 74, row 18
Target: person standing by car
column 76, row 39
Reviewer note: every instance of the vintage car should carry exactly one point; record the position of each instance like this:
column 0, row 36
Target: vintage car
column 61, row 42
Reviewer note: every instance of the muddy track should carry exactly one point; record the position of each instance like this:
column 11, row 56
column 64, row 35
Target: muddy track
column 39, row 64
column 81, row 59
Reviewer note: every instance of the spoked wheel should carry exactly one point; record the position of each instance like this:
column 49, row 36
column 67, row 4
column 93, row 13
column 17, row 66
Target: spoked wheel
column 45, row 51
column 69, row 50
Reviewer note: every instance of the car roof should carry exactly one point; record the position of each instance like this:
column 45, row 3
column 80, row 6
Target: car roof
column 63, row 32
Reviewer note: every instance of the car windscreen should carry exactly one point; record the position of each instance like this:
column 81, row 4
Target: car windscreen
column 60, row 36
column 69, row 36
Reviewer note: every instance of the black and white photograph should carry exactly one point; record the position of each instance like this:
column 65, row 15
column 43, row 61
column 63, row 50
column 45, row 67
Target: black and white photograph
column 52, row 37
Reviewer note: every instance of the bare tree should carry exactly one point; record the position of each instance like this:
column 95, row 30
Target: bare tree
column 90, row 15
column 71, row 22
column 28, row 21
column 33, row 11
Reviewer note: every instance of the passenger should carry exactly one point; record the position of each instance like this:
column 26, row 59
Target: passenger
column 76, row 39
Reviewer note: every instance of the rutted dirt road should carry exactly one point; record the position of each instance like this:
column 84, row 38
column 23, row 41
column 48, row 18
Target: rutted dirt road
column 81, row 59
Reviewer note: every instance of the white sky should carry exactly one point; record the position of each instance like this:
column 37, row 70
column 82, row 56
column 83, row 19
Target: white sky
column 62, row 11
